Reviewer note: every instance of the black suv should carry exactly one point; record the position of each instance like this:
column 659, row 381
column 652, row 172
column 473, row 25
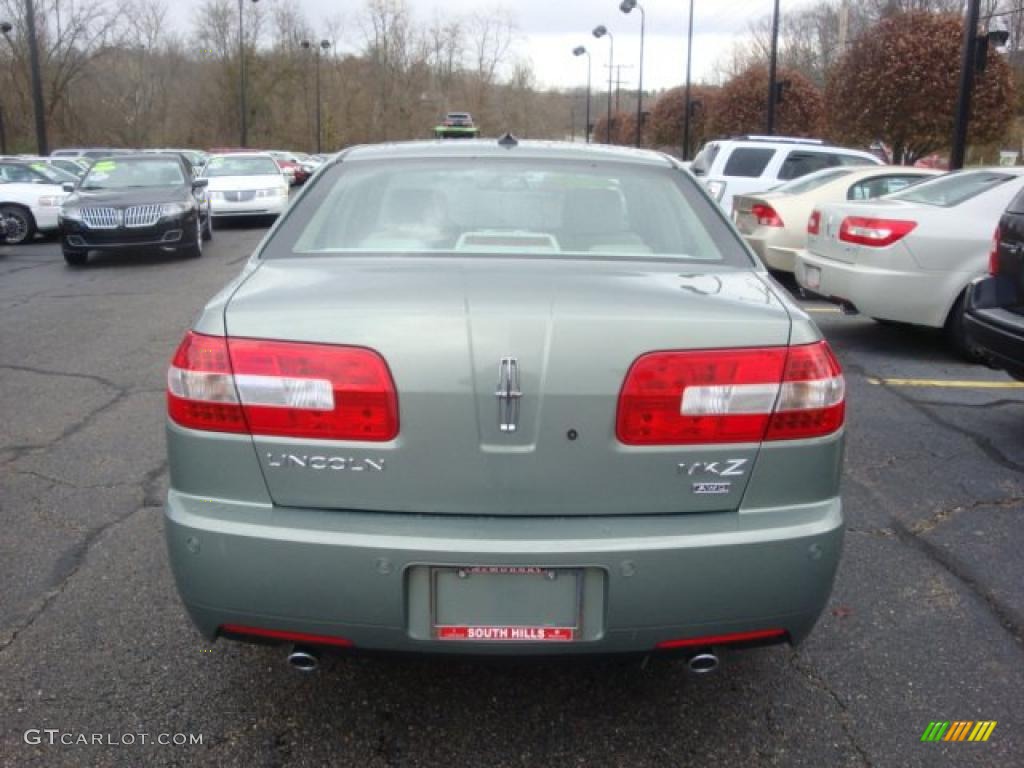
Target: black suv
column 135, row 202
column 995, row 305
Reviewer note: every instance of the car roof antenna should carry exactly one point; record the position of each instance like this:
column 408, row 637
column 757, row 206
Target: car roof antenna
column 508, row 141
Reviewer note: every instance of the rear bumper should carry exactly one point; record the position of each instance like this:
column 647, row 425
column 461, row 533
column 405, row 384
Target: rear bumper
column 903, row 296
column 348, row 574
column 996, row 331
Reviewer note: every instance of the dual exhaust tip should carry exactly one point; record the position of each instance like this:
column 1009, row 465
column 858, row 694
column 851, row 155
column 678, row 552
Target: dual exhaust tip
column 306, row 659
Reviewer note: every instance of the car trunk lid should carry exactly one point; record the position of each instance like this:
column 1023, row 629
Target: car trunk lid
column 449, row 328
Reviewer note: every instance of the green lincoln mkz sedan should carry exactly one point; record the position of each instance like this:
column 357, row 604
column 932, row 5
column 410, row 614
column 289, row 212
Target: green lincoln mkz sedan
column 502, row 397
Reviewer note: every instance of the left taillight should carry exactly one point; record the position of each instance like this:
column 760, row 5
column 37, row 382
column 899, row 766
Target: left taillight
column 766, row 215
column 713, row 396
column 874, row 233
column 283, row 389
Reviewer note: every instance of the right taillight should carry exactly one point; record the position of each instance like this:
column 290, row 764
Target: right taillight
column 814, row 223
column 874, row 233
column 766, row 215
column 993, row 255
column 731, row 396
column 282, row 388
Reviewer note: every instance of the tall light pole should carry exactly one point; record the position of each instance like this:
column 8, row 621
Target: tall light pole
column 963, row 100
column 37, row 80
column 773, row 62
column 579, row 50
column 600, row 31
column 626, row 6
column 323, row 46
column 686, row 96
column 243, row 117
column 5, row 29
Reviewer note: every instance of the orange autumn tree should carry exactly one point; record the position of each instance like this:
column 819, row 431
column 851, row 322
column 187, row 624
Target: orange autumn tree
column 741, row 106
column 898, row 84
column 665, row 124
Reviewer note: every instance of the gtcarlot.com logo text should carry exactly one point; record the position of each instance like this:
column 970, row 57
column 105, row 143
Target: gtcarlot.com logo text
column 56, row 737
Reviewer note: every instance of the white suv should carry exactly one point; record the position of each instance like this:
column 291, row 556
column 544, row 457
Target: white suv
column 751, row 164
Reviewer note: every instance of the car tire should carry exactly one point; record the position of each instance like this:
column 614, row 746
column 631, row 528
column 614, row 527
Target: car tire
column 21, row 226
column 195, row 250
column 75, row 258
column 208, row 228
column 955, row 331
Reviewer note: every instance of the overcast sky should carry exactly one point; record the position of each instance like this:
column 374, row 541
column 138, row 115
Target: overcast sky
column 550, row 29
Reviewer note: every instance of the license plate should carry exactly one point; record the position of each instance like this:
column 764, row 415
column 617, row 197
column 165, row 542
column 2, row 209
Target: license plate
column 813, row 277
column 506, row 604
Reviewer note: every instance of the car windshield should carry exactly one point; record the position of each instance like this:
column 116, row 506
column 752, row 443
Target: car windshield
column 952, row 189
column 241, row 165
column 480, row 206
column 54, row 174
column 114, row 173
column 813, row 181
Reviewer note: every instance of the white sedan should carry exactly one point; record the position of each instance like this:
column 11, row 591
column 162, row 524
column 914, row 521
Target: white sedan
column 774, row 223
column 245, row 184
column 29, row 201
column 908, row 257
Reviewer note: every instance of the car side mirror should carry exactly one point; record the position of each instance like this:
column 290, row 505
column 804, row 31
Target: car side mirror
column 68, row 187
column 198, row 184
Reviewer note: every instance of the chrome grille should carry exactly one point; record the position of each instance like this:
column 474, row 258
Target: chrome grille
column 142, row 215
column 240, row 197
column 101, row 218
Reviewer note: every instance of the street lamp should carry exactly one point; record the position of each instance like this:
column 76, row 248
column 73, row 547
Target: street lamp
column 37, row 80
column 244, row 131
column 5, row 29
column 324, row 45
column 686, row 96
column 626, row 6
column 579, row 50
column 600, row 31
column 974, row 57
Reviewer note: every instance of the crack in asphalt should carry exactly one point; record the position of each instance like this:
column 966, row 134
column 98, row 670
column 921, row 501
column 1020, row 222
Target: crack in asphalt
column 913, row 535
column 983, row 443
column 957, row 404
column 933, row 522
column 815, row 679
column 72, row 560
column 952, row 565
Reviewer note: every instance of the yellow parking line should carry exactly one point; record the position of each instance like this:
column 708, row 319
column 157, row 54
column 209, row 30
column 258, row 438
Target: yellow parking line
column 947, row 384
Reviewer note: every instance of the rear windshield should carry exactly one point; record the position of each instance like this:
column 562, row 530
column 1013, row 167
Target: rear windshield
column 813, row 181
column 748, row 162
column 704, row 159
column 241, row 165
column 953, row 189
column 508, row 207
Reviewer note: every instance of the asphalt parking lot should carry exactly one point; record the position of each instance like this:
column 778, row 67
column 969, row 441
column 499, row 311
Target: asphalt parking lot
column 926, row 622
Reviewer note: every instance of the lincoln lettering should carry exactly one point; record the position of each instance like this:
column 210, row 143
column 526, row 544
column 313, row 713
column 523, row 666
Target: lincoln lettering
column 321, row 462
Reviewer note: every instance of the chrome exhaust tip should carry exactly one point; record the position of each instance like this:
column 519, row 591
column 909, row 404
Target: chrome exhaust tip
column 304, row 659
column 702, row 663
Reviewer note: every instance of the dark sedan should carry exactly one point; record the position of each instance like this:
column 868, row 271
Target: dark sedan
column 135, row 202
column 995, row 305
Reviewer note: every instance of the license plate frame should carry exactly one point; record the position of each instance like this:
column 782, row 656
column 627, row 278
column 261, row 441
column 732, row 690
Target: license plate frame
column 564, row 584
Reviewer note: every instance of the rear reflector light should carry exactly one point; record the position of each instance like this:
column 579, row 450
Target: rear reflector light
column 731, row 396
column 734, row 637
column 292, row 637
column 766, row 215
column 279, row 388
column 993, row 255
column 876, row 233
column 814, row 223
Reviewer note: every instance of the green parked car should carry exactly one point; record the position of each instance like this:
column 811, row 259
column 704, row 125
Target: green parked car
column 502, row 397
